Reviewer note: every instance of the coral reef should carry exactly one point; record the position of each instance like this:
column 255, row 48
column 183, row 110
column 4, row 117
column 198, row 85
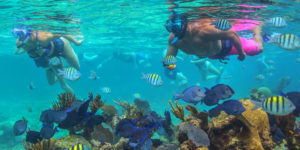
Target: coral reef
column 259, row 94
column 231, row 132
column 71, row 140
column 142, row 105
column 203, row 117
column 109, row 110
column 64, row 101
column 102, row 134
column 129, row 111
column 96, row 104
column 41, row 145
column 178, row 111
column 286, row 124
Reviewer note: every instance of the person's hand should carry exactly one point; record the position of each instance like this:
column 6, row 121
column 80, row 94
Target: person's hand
column 242, row 56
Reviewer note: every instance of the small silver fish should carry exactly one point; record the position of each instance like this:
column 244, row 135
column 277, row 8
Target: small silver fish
column 222, row 24
column 277, row 22
column 153, row 79
column 106, row 90
column 93, row 75
column 69, row 73
column 54, row 61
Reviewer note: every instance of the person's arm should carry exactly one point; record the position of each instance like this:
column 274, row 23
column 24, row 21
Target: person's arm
column 73, row 40
column 50, row 36
column 172, row 50
column 228, row 35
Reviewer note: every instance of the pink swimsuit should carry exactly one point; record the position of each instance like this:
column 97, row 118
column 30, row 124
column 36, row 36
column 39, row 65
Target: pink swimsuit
column 250, row 46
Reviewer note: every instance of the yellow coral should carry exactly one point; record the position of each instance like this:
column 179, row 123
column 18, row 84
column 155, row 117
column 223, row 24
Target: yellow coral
column 178, row 111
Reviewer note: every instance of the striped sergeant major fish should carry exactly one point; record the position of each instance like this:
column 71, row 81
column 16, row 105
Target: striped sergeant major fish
column 153, row 79
column 222, row 24
column 169, row 60
column 277, row 22
column 287, row 41
column 69, row 73
column 78, row 147
column 278, row 105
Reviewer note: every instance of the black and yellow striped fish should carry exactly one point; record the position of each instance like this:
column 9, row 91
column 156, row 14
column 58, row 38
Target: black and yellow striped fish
column 79, row 147
column 277, row 22
column 153, row 79
column 278, row 105
column 170, row 60
column 222, row 24
column 288, row 41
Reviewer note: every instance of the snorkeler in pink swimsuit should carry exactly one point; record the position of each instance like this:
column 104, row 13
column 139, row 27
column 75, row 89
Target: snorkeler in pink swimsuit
column 202, row 39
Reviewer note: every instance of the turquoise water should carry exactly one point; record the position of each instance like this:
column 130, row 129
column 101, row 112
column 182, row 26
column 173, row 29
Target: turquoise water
column 136, row 26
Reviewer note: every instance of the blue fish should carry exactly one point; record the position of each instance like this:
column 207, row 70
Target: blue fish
column 48, row 131
column 139, row 136
column 20, row 127
column 222, row 24
column 125, row 128
column 294, row 97
column 216, row 93
column 33, row 137
column 152, row 120
column 230, row 107
column 51, row 116
column 192, row 94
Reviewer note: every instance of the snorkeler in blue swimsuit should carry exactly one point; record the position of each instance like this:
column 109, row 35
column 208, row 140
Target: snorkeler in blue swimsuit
column 43, row 46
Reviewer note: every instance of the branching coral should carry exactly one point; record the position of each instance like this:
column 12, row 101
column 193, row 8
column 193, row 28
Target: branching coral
column 96, row 104
column 178, row 111
column 41, row 145
column 64, row 101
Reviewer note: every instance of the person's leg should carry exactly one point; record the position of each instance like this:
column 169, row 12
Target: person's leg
column 257, row 36
column 70, row 55
column 62, row 81
column 51, row 77
column 211, row 68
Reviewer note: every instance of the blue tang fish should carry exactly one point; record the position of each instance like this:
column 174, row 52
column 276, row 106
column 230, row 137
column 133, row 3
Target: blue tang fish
column 216, row 93
column 230, row 107
column 192, row 94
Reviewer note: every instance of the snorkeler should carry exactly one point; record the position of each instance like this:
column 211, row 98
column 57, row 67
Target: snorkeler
column 128, row 57
column 203, row 39
column 206, row 66
column 42, row 47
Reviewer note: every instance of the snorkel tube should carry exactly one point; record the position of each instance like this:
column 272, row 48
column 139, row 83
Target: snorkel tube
column 177, row 25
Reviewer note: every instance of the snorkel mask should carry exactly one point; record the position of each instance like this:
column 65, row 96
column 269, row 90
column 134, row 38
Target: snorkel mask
column 177, row 25
column 22, row 34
